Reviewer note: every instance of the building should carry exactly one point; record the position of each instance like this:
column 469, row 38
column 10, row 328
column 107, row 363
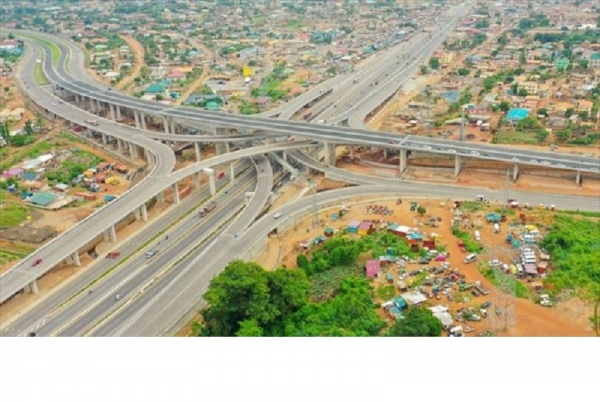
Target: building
column 530, row 87
column 9, row 44
column 561, row 64
column 250, row 53
column 595, row 60
column 442, row 313
column 353, row 227
column 446, row 58
column 584, row 106
column 365, row 228
column 372, row 268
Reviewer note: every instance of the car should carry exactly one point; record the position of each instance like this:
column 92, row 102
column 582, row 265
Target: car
column 37, row 262
column 545, row 163
column 113, row 255
column 533, row 161
column 486, row 304
column 475, row 153
column 451, row 151
column 118, row 296
column 278, row 215
column 560, row 165
column 53, row 104
column 60, row 102
column 31, row 334
column 515, row 159
column 594, row 169
column 151, row 253
column 426, row 147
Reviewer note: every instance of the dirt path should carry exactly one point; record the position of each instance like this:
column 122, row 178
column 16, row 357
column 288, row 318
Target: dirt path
column 138, row 50
column 195, row 85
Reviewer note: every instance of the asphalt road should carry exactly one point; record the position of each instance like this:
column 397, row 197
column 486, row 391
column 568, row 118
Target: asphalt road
column 37, row 316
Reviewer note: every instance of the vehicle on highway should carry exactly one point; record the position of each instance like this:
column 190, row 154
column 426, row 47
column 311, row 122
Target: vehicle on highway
column 475, row 153
column 220, row 175
column 37, row 262
column 113, row 255
column 278, row 215
column 533, row 161
column 151, row 253
column 60, row 102
column 207, row 209
column 515, row 159
column 545, row 163
column 426, row 147
column 31, row 334
column 560, row 165
column 93, row 122
column 119, row 296
column 451, row 151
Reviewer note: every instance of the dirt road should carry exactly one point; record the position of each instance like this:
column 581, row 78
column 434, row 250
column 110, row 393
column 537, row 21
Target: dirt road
column 138, row 51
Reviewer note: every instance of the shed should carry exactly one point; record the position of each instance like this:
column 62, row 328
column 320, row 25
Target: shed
column 402, row 231
column 305, row 244
column 319, row 239
column 373, row 268
column 442, row 314
column 365, row 228
column 62, row 187
column 395, row 312
column 328, row 232
column 42, row 199
column 353, row 226
column 30, row 176
column 15, row 172
column 542, row 267
column 530, row 269
column 413, row 298
column 400, row 303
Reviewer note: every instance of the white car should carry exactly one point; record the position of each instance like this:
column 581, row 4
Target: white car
column 426, row 147
column 451, row 151
column 515, row 159
column 474, row 153
column 533, row 161
column 560, row 165
column 545, row 163
column 278, row 215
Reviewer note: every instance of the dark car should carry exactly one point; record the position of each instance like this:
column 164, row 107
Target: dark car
column 486, row 304
column 424, row 260
column 475, row 292
column 31, row 334
column 113, row 255
column 37, row 262
column 414, row 273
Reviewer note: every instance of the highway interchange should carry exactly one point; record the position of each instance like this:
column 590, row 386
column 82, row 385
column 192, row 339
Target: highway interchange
column 98, row 313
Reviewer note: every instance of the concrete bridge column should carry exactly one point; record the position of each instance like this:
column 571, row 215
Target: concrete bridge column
column 385, row 153
column 104, row 139
column 144, row 212
column 113, row 117
column 173, row 127
column 136, row 114
column 284, row 156
column 220, row 148
column 457, row 165
column 516, row 172
column 578, row 179
column 166, row 123
column 138, row 214
column 75, row 259
column 143, row 121
column 197, row 182
column 403, row 159
column 175, row 189
column 92, row 106
column 110, row 234
column 161, row 196
column 329, row 154
column 131, row 149
column 272, row 197
column 231, row 171
column 33, row 287
column 211, row 182
column 150, row 159
column 99, row 106
column 351, row 151
column 118, row 113
column 77, row 98
column 197, row 149
column 120, row 144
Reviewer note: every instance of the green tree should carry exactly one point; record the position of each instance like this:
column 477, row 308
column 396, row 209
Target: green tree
column 417, row 322
column 421, row 210
column 249, row 328
column 583, row 63
column 542, row 111
column 463, row 71
column 434, row 63
column 569, row 112
column 542, row 134
column 302, row 261
column 563, row 135
column 504, row 106
column 424, row 70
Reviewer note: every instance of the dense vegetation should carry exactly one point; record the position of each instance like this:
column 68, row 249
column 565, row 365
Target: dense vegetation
column 574, row 245
column 327, row 296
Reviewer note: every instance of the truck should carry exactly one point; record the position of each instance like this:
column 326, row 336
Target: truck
column 464, row 286
column 207, row 209
column 482, row 289
column 92, row 122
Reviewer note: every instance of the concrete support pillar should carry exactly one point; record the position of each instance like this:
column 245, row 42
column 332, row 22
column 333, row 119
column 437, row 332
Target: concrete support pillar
column 143, row 121
column 120, row 144
column 351, row 151
column 578, row 178
column 173, row 127
column 457, row 165
column 175, row 190
column 220, row 148
column 118, row 113
column 403, row 159
column 272, row 197
column 136, row 114
column 144, row 212
column 161, row 196
column 284, row 156
column 516, row 172
column 166, row 123
column 111, row 234
column 138, row 214
column 99, row 106
column 212, row 184
column 231, row 171
column 104, row 139
column 92, row 106
column 75, row 259
column 77, row 98
column 197, row 182
column 385, row 153
column 197, row 149
column 131, row 149
column 113, row 116
column 33, row 287
column 329, row 154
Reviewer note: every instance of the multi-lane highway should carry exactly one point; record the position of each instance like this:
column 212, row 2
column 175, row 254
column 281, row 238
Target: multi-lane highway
column 188, row 280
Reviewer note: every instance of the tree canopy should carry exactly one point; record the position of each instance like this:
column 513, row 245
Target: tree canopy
column 417, row 322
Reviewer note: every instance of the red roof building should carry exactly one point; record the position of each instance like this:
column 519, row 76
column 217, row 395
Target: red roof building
column 373, row 268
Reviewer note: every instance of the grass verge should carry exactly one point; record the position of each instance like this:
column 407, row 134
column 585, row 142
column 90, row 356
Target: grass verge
column 39, row 76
